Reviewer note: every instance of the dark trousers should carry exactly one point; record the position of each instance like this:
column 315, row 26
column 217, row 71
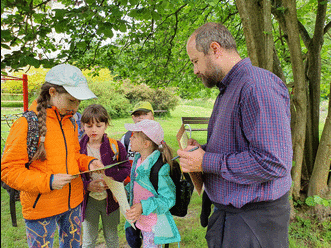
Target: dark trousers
column 255, row 225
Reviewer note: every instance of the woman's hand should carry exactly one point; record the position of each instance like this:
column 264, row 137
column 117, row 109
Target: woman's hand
column 60, row 180
column 134, row 212
column 97, row 185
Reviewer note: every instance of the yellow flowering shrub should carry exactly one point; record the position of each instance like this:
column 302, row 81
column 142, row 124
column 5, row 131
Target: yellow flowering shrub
column 36, row 77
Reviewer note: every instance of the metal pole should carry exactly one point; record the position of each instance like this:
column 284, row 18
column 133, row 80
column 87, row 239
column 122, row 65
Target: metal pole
column 25, row 92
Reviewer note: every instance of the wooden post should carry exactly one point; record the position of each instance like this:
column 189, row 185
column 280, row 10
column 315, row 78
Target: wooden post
column 25, row 92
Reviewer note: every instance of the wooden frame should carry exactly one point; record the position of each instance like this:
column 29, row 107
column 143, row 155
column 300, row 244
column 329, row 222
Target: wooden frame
column 187, row 121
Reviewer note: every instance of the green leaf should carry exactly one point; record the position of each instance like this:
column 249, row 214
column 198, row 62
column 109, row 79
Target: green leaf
column 156, row 15
column 38, row 17
column 60, row 27
column 318, row 199
column 5, row 46
column 106, row 29
column 310, row 201
column 133, row 13
column 90, row 2
column 108, row 33
column 32, row 61
column 133, row 2
column 59, row 13
column 81, row 45
column 122, row 27
column 212, row 2
column 325, row 203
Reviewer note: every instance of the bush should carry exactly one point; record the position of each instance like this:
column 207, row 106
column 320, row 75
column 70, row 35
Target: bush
column 114, row 101
column 118, row 97
column 160, row 98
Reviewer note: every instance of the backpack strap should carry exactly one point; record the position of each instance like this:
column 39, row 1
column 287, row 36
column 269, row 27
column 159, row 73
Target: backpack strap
column 114, row 146
column 73, row 121
column 154, row 174
column 127, row 137
column 32, row 135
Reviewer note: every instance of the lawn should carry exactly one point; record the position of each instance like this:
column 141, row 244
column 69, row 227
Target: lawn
column 304, row 230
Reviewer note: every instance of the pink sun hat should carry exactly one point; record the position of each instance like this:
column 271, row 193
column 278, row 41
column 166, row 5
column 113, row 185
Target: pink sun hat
column 152, row 129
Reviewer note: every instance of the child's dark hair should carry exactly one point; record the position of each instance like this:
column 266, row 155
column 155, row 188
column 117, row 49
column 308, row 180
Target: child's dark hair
column 166, row 151
column 95, row 112
column 42, row 104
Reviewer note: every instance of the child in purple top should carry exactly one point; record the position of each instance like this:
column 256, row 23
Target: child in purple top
column 98, row 199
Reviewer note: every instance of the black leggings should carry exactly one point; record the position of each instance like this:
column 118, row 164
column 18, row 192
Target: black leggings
column 255, row 225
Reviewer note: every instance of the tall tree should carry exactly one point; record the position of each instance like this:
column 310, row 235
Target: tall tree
column 145, row 41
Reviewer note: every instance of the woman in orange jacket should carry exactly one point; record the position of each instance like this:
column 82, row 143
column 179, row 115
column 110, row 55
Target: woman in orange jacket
column 50, row 193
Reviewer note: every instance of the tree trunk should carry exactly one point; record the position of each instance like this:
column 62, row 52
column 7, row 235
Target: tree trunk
column 256, row 20
column 318, row 184
column 314, row 78
column 299, row 97
column 277, row 69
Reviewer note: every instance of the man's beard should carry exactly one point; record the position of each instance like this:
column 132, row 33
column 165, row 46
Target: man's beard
column 213, row 76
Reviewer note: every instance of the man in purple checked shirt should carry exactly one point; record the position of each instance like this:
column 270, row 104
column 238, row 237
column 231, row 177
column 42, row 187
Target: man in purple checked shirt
column 247, row 160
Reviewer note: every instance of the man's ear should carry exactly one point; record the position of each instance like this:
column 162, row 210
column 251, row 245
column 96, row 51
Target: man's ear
column 216, row 49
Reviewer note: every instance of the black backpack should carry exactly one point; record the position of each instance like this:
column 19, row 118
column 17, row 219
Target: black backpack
column 127, row 137
column 183, row 183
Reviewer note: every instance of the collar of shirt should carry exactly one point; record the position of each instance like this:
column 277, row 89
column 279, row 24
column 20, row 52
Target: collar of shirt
column 228, row 78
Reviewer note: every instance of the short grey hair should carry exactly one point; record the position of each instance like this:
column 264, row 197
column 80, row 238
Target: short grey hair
column 213, row 32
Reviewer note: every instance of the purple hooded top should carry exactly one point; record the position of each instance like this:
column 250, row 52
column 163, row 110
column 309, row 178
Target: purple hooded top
column 118, row 172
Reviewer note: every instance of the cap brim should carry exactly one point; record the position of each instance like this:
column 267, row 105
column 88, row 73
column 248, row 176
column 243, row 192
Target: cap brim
column 81, row 93
column 131, row 127
column 143, row 110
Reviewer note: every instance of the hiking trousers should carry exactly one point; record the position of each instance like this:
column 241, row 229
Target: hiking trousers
column 40, row 233
column 255, row 225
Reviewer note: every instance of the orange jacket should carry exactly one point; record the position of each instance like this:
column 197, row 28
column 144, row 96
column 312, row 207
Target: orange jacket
column 63, row 156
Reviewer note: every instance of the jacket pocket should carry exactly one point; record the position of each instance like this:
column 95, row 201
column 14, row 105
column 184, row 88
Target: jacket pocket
column 37, row 199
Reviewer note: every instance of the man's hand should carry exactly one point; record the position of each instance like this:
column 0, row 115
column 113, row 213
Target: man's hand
column 97, row 185
column 60, row 180
column 193, row 142
column 191, row 161
column 96, row 164
column 134, row 212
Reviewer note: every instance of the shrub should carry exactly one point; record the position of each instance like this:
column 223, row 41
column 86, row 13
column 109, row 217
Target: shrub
column 137, row 93
column 160, row 98
column 114, row 102
column 36, row 77
column 118, row 97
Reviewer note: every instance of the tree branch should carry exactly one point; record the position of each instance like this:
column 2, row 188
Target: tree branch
column 304, row 34
column 327, row 27
column 39, row 5
column 171, row 40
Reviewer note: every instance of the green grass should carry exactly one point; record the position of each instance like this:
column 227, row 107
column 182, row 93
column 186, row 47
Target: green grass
column 170, row 125
column 304, row 231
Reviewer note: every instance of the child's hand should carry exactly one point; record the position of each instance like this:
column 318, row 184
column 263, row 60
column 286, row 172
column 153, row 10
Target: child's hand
column 96, row 164
column 97, row 185
column 60, row 180
column 134, row 212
